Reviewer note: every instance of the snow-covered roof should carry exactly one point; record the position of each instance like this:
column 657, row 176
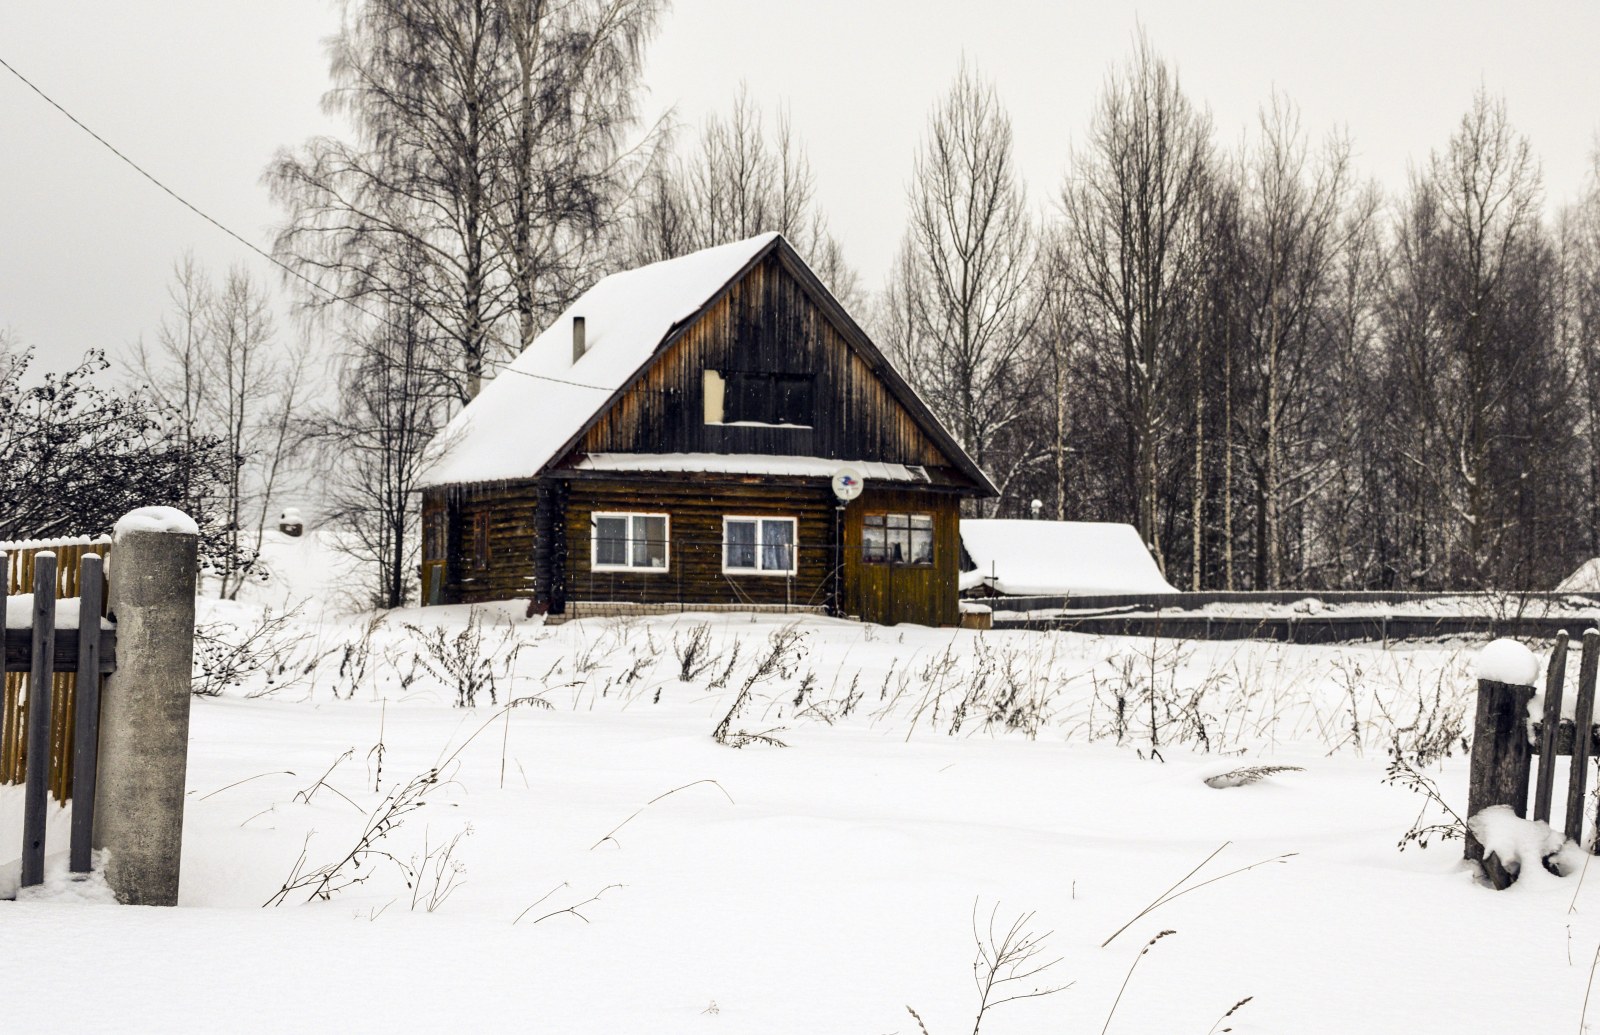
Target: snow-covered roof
column 748, row 463
column 1058, row 558
column 1585, row 580
column 542, row 399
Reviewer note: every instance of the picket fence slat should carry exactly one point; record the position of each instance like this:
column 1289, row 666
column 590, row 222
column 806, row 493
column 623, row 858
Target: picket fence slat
column 1555, row 680
column 1582, row 719
column 40, row 690
column 86, row 739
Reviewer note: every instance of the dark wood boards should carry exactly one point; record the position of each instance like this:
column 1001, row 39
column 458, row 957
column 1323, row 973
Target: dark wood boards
column 1500, row 761
column 1306, row 629
column 36, row 794
column 86, row 724
column 766, row 322
column 694, row 573
column 888, row 593
column 1549, row 733
column 64, row 651
column 1582, row 718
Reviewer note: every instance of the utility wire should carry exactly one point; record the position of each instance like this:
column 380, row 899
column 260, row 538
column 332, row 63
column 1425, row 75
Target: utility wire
column 180, row 199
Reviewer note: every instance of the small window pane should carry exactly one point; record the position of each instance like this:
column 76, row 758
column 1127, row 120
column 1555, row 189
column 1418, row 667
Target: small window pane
column 649, row 542
column 777, row 545
column 741, row 544
column 611, row 540
column 922, row 546
column 874, row 545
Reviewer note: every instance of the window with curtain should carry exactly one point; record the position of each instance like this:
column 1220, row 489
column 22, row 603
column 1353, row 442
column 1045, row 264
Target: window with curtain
column 629, row 542
column 757, row 545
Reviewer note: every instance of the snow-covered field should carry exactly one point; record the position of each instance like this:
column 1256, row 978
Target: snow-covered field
column 591, row 860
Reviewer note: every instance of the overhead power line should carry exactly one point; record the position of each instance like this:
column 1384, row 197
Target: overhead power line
column 290, row 270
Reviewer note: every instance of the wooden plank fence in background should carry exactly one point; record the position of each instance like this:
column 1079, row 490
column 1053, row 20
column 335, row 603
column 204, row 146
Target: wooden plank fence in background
column 1503, row 746
column 17, row 573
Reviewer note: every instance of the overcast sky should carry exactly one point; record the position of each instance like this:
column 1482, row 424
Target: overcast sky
column 202, row 92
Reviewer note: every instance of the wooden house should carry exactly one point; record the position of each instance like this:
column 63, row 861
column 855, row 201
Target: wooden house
column 670, row 442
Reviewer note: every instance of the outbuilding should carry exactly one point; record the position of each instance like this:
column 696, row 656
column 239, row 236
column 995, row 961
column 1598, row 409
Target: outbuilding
column 709, row 432
column 1057, row 559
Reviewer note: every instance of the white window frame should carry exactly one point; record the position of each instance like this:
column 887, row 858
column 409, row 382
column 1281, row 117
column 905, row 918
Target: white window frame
column 629, row 516
column 794, row 545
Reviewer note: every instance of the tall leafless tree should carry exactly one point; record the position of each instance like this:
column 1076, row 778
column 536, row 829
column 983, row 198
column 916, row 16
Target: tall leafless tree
column 964, row 275
column 1134, row 203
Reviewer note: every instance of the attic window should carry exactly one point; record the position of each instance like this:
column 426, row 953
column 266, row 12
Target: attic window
column 772, row 400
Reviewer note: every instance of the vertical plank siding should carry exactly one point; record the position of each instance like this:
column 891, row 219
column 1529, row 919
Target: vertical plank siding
column 768, row 323
column 925, row 594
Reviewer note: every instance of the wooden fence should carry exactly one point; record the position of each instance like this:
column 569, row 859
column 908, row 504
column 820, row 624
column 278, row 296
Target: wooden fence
column 18, row 568
column 39, row 649
column 1503, row 745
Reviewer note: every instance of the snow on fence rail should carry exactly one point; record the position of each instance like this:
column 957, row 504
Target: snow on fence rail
column 1505, row 740
column 18, row 569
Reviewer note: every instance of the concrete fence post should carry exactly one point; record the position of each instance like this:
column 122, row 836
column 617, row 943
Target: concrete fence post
column 144, row 720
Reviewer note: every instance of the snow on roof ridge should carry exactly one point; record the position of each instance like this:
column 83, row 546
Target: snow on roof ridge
column 544, row 397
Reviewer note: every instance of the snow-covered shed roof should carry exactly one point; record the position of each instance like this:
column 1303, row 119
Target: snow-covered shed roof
column 535, row 406
column 1585, row 580
column 1058, row 558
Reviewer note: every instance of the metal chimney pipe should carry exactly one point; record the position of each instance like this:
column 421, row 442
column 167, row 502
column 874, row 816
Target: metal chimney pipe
column 579, row 342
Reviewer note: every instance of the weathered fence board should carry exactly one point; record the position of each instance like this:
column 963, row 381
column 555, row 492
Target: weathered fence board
column 1300, row 629
column 36, row 795
column 86, row 725
column 1550, row 731
column 1582, row 718
column 1500, row 753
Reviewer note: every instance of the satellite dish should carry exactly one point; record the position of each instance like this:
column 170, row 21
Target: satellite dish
column 848, row 483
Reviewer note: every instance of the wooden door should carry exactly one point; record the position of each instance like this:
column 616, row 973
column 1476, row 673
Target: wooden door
column 901, row 557
column 435, row 546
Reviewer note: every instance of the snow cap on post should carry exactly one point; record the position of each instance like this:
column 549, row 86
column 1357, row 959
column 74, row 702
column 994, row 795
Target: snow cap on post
column 156, row 519
column 1507, row 661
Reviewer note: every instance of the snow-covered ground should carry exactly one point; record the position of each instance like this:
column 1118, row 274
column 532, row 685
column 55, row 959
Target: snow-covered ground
column 620, row 871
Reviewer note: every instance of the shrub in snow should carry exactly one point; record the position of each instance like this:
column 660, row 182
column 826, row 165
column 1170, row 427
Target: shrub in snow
column 468, row 662
column 693, row 651
column 786, row 648
column 270, row 652
column 1507, row 661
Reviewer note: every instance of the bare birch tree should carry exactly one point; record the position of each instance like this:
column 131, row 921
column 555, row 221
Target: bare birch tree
column 1133, row 204
column 1294, row 202
column 964, row 275
column 740, row 177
